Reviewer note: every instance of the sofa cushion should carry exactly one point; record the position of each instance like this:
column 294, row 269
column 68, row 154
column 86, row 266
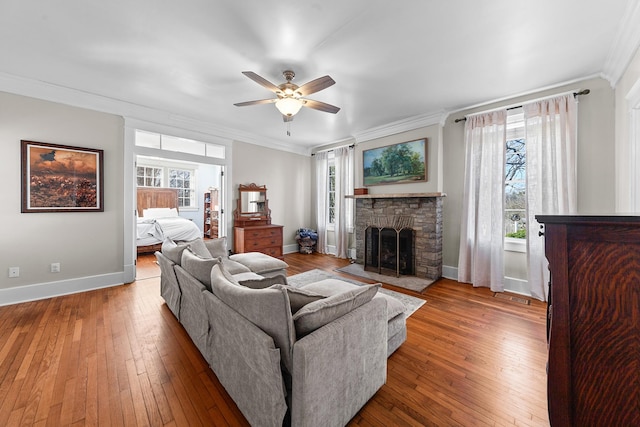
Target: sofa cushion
column 199, row 267
column 259, row 262
column 267, row 308
column 217, row 247
column 318, row 313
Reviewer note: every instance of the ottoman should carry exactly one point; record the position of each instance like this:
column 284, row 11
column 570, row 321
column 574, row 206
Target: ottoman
column 262, row 264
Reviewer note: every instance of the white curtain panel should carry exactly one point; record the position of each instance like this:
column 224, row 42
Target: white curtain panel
column 481, row 257
column 343, row 207
column 551, row 135
column 322, row 170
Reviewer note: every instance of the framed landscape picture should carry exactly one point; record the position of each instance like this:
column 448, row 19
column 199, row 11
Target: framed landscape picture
column 60, row 178
column 395, row 164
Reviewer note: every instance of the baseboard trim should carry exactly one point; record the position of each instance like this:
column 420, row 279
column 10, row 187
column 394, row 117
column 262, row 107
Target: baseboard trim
column 40, row 291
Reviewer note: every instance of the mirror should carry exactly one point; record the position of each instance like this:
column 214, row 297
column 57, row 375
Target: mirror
column 253, row 206
column 252, row 201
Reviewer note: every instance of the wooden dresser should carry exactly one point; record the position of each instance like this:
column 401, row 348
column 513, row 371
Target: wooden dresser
column 252, row 228
column 594, row 320
column 262, row 238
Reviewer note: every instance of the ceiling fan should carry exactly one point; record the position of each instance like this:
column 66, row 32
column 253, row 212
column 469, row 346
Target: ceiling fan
column 291, row 97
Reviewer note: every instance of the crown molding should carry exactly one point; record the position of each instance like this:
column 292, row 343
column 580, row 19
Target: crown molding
column 399, row 126
column 77, row 98
column 625, row 44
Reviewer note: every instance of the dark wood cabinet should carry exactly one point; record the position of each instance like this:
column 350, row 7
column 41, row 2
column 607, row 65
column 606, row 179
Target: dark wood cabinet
column 594, row 320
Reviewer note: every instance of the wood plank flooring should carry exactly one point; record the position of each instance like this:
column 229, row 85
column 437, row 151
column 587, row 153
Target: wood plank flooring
column 117, row 356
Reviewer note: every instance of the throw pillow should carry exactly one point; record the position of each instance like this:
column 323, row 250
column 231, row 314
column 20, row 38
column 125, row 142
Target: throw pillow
column 263, row 282
column 298, row 298
column 217, row 247
column 319, row 313
column 234, row 267
column 198, row 247
column 199, row 267
column 172, row 250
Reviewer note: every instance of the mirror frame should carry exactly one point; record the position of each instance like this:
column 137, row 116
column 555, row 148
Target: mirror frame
column 243, row 218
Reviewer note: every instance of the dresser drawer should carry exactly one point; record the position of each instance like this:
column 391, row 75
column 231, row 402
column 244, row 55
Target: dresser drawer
column 253, row 244
column 262, row 233
column 266, row 239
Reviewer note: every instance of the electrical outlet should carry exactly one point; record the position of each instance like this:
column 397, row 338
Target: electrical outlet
column 55, row 267
column 14, row 271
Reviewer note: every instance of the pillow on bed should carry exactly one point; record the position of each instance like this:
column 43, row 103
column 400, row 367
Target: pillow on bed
column 153, row 213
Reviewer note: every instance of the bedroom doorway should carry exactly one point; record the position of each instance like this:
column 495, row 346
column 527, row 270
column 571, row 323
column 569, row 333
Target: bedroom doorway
column 188, row 171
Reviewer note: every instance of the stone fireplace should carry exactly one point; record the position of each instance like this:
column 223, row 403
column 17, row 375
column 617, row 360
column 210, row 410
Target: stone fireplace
column 425, row 213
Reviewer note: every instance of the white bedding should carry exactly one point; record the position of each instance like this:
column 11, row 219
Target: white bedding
column 152, row 231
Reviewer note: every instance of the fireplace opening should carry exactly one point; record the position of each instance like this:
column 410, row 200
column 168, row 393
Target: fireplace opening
column 390, row 251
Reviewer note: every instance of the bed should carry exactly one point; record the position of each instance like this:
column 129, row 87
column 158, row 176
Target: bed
column 158, row 218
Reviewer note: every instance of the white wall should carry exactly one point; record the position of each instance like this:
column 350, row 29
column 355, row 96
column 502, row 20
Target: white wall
column 88, row 245
column 287, row 177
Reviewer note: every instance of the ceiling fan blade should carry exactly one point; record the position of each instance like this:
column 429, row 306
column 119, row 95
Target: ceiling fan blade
column 316, row 85
column 261, row 101
column 287, row 118
column 321, row 106
column 261, row 81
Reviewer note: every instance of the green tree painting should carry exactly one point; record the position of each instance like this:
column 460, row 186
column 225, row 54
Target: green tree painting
column 395, row 164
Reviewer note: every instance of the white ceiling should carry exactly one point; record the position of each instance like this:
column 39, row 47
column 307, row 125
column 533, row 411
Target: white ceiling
column 392, row 61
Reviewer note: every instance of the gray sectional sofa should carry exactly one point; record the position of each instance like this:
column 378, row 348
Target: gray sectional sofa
column 308, row 356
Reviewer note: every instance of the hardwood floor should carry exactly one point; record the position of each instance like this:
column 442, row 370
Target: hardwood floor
column 117, row 356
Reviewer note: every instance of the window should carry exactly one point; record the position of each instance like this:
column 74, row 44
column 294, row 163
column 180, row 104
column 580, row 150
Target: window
column 332, row 191
column 170, row 176
column 149, row 176
column 514, row 181
column 181, row 145
column 182, row 180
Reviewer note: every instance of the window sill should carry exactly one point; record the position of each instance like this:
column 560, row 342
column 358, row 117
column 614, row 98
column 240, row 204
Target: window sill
column 515, row 245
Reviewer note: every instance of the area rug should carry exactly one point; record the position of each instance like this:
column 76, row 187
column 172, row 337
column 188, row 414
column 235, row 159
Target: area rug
column 412, row 283
column 411, row 303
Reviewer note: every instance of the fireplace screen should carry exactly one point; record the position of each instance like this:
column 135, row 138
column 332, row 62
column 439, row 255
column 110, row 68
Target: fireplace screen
column 390, row 252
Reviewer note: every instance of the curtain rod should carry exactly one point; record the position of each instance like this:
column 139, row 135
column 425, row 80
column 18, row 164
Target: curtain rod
column 582, row 92
column 330, row 150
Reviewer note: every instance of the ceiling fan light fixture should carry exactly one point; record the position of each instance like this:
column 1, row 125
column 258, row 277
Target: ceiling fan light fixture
column 289, row 106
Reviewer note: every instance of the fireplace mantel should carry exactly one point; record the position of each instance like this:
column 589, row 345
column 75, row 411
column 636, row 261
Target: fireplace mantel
column 395, row 195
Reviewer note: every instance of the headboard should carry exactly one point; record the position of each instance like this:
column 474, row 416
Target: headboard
column 150, row 197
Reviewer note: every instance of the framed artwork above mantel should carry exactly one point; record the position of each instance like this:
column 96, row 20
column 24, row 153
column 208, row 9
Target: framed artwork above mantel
column 401, row 163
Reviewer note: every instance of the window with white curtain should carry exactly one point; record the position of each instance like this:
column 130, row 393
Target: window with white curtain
column 515, row 191
column 331, row 192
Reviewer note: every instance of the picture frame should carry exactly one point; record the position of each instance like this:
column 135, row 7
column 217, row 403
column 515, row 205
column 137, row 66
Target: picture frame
column 402, row 163
column 61, row 178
